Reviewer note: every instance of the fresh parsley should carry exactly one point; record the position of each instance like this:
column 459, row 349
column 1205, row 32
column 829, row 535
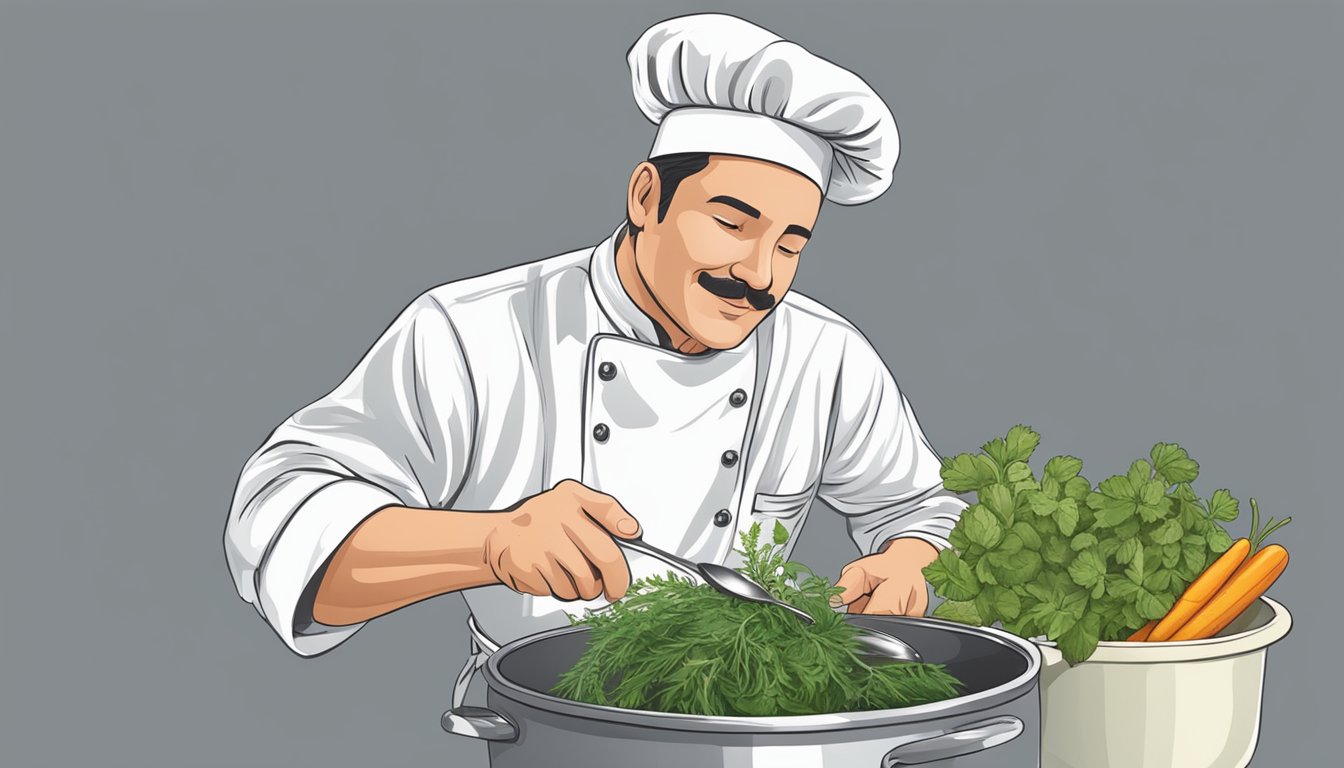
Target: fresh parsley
column 1055, row 557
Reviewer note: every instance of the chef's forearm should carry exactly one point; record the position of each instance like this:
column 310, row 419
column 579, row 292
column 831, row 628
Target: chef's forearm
column 399, row 556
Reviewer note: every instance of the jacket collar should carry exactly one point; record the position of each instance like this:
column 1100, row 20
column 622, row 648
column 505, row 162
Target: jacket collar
column 616, row 304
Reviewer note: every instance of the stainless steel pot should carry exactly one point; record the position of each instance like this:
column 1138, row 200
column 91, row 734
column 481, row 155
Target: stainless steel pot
column 995, row 723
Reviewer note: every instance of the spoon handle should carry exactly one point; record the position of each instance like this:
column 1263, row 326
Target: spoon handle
column 645, row 548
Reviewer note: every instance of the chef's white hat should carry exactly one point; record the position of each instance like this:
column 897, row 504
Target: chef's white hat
column 717, row 84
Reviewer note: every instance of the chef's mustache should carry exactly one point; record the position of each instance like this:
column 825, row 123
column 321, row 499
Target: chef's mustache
column 732, row 288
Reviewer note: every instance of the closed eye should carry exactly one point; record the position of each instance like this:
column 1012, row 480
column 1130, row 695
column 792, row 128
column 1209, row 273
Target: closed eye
column 726, row 224
column 786, row 250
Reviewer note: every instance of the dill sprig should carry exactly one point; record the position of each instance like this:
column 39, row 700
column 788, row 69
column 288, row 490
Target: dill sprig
column 674, row 646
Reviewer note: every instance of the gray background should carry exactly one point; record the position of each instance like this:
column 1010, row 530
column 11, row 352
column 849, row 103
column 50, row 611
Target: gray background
column 1119, row 223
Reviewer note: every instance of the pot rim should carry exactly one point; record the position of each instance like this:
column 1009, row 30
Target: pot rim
column 1019, row 686
column 1163, row 651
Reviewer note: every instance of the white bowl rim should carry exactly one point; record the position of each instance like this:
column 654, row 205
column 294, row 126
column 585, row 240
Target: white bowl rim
column 1249, row 641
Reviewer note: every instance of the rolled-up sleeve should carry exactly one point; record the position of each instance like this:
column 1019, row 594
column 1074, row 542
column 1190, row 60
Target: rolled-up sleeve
column 880, row 472
column 396, row 432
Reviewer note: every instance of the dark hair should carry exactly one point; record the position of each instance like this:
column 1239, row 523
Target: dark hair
column 672, row 170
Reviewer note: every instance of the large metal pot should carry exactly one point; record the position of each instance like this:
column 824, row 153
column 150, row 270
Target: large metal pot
column 995, row 723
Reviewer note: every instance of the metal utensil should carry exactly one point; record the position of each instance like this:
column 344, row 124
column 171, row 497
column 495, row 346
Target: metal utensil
column 728, row 581
column 876, row 644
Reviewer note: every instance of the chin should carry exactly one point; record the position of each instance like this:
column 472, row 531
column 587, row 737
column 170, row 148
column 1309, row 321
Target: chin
column 722, row 333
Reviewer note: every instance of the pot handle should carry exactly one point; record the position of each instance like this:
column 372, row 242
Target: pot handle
column 965, row 740
column 479, row 723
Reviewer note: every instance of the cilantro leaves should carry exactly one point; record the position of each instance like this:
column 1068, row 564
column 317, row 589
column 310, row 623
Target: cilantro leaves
column 1062, row 559
column 951, row 577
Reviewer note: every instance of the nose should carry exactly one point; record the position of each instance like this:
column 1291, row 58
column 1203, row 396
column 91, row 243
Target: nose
column 755, row 269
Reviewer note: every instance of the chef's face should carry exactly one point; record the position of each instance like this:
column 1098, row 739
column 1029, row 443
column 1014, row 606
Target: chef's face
column 728, row 248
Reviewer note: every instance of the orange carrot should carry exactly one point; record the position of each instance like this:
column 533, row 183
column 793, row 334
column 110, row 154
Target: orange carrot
column 1237, row 608
column 1250, row 583
column 1258, row 536
column 1201, row 590
column 1142, row 633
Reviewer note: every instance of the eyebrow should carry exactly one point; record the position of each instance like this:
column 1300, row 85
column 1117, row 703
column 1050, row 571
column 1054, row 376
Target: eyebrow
column 792, row 229
column 738, row 204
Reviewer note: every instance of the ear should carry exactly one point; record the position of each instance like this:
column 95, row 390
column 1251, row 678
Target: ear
column 641, row 200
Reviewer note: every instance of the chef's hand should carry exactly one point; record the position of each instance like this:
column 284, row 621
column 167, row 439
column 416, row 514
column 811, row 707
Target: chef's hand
column 890, row 582
column 558, row 544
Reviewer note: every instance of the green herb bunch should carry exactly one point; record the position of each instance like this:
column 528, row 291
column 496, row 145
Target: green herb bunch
column 675, row 646
column 1059, row 558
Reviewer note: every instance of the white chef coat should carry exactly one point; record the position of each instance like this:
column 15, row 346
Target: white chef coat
column 492, row 389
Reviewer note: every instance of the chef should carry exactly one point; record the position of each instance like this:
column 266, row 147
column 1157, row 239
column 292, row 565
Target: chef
column 663, row 383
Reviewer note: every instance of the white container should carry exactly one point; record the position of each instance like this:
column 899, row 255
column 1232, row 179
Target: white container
column 1188, row 704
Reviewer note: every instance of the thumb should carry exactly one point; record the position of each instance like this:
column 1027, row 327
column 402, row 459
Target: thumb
column 607, row 512
column 854, row 582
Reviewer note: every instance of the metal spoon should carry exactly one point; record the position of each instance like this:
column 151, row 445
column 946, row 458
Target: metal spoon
column 730, row 582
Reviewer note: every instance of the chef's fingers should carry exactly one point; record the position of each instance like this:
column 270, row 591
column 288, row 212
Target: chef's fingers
column 605, row 510
column 557, row 586
column 854, row 581
column 604, row 556
column 574, row 565
column 858, row 606
column 919, row 599
column 527, row 581
column 558, row 580
column 889, row 599
column 880, row 607
column 519, row 575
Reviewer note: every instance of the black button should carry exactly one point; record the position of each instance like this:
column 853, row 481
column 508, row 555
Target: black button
column 729, row 458
column 737, row 398
column 600, row 433
column 606, row 371
column 722, row 518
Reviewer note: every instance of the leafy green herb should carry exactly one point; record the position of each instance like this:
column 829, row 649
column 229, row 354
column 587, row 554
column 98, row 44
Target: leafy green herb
column 674, row 646
column 1056, row 557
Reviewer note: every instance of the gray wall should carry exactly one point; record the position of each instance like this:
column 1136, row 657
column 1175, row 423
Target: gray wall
column 1119, row 223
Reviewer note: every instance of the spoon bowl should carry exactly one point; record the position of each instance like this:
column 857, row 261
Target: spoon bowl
column 730, row 582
